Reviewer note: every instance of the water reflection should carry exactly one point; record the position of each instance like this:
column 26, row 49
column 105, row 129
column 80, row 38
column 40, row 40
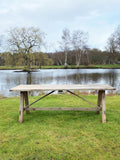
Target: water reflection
column 9, row 79
column 29, row 78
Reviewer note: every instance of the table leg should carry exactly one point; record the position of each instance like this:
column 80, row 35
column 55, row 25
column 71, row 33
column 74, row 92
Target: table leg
column 99, row 101
column 26, row 102
column 21, row 109
column 103, row 108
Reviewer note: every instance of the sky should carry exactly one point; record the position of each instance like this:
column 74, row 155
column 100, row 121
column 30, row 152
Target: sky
column 97, row 17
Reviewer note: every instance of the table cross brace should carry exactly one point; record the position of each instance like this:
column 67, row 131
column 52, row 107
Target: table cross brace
column 38, row 99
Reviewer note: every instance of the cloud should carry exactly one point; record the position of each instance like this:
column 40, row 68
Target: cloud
column 99, row 18
column 3, row 11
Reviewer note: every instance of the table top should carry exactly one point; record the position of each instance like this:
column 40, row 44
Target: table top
column 34, row 87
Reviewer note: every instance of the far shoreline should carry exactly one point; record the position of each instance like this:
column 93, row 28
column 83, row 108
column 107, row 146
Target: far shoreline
column 33, row 68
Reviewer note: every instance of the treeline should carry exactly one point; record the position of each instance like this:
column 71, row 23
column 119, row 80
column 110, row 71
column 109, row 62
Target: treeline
column 36, row 59
column 91, row 56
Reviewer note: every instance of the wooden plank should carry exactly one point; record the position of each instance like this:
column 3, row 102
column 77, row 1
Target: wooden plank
column 63, row 109
column 99, row 101
column 26, row 102
column 21, row 109
column 103, row 108
column 62, row 87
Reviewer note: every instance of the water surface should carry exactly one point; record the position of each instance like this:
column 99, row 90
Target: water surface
column 11, row 78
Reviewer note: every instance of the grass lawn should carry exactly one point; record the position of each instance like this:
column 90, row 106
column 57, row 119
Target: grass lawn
column 60, row 135
column 83, row 66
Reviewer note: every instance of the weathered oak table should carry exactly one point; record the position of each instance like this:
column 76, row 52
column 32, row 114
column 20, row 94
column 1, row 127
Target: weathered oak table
column 25, row 106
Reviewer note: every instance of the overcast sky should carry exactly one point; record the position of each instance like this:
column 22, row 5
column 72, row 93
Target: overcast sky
column 97, row 17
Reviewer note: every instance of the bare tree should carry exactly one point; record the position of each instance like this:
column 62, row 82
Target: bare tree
column 1, row 40
column 79, row 40
column 116, row 37
column 65, row 43
column 25, row 41
column 113, row 45
column 112, row 49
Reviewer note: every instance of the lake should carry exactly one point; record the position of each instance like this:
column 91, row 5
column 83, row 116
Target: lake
column 12, row 78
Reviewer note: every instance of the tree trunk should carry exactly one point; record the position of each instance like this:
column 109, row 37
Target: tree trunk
column 78, row 58
column 65, row 59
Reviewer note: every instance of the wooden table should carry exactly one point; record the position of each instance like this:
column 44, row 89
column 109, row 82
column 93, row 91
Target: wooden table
column 25, row 106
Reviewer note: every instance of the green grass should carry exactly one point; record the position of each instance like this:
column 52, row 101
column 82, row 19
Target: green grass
column 60, row 135
column 15, row 67
column 107, row 66
column 62, row 67
column 82, row 66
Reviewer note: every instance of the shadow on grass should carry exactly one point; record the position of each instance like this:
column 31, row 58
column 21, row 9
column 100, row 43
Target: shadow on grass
column 49, row 116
